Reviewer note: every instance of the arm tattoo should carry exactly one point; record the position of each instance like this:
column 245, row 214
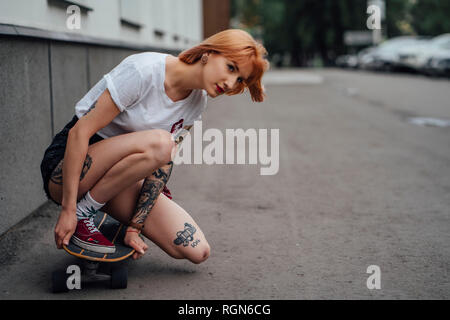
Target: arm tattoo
column 151, row 188
column 90, row 108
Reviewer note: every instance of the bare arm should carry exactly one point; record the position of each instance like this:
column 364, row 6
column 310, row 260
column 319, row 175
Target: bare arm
column 75, row 157
column 102, row 113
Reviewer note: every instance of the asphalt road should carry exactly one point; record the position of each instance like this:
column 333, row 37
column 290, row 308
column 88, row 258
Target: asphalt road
column 357, row 185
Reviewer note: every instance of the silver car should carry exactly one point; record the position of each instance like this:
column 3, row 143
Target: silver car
column 438, row 64
column 424, row 57
column 386, row 56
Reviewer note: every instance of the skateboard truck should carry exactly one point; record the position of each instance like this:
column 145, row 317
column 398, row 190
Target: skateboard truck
column 91, row 272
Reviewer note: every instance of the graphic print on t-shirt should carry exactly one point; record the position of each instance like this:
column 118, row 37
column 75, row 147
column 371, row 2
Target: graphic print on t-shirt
column 129, row 85
column 177, row 126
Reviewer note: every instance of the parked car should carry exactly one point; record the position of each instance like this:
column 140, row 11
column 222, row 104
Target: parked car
column 365, row 57
column 386, row 56
column 347, row 61
column 432, row 60
column 438, row 64
column 408, row 55
column 419, row 57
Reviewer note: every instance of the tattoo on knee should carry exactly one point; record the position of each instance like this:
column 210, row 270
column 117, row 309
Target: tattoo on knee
column 186, row 236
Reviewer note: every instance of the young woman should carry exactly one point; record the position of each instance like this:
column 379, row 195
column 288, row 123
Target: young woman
column 116, row 154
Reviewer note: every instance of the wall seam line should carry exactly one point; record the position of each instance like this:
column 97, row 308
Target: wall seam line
column 51, row 87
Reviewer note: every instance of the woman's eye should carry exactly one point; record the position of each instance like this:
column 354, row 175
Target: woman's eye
column 231, row 67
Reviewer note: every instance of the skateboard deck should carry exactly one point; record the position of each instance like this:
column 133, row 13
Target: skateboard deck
column 114, row 231
column 94, row 263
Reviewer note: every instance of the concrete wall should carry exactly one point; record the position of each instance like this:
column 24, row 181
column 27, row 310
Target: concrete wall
column 25, row 126
column 179, row 21
column 46, row 67
column 40, row 82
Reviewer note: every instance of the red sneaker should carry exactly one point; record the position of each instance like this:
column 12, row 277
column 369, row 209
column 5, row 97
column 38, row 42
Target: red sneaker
column 88, row 237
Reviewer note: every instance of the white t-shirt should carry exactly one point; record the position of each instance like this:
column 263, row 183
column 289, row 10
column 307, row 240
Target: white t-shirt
column 136, row 86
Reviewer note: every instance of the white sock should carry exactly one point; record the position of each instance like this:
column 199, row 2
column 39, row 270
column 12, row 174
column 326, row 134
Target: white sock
column 87, row 207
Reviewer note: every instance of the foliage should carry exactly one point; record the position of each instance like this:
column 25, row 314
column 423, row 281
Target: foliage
column 307, row 29
column 431, row 17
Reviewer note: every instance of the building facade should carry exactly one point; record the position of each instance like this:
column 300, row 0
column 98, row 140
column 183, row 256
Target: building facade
column 53, row 51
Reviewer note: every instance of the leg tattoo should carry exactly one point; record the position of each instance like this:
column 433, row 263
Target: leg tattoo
column 57, row 174
column 86, row 166
column 185, row 236
column 150, row 191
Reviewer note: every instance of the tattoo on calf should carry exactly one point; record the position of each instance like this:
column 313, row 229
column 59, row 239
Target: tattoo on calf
column 57, row 174
column 151, row 188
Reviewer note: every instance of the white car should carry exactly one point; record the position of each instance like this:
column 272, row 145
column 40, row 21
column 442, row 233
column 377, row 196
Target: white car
column 408, row 57
column 420, row 57
column 365, row 58
column 438, row 64
column 385, row 56
column 347, row 61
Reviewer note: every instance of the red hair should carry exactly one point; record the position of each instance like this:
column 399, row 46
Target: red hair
column 240, row 47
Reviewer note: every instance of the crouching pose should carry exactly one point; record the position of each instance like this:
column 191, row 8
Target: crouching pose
column 116, row 154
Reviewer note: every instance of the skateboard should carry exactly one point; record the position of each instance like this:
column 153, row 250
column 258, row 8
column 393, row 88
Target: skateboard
column 98, row 266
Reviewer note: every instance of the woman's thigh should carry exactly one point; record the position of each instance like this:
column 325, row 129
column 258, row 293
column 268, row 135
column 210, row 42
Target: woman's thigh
column 168, row 225
column 101, row 156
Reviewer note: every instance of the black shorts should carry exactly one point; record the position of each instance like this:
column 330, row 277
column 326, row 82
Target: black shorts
column 55, row 153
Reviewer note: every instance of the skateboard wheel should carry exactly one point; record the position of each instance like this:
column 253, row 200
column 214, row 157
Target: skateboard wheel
column 59, row 281
column 119, row 277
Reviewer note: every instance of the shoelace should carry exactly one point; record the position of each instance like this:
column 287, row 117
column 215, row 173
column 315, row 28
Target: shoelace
column 90, row 225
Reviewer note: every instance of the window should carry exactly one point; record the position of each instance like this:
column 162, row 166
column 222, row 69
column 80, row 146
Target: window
column 63, row 4
column 130, row 14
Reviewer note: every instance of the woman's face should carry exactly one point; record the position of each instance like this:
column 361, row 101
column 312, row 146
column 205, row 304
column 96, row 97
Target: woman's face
column 221, row 75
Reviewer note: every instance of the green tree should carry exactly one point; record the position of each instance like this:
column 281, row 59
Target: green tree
column 315, row 28
column 431, row 17
column 397, row 18
column 302, row 28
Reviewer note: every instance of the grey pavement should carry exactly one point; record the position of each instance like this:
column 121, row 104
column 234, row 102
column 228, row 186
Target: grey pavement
column 358, row 185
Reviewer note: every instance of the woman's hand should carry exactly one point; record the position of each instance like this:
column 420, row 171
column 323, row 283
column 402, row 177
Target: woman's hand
column 133, row 240
column 65, row 227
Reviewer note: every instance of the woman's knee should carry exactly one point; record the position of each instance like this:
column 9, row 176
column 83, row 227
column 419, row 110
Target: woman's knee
column 199, row 255
column 161, row 145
